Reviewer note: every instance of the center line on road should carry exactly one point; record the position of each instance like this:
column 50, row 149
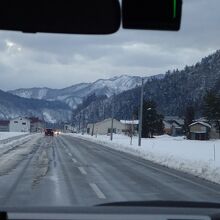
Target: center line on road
column 70, row 154
column 98, row 192
column 74, row 160
column 82, row 170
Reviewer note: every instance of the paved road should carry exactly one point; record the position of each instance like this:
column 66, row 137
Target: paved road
column 67, row 171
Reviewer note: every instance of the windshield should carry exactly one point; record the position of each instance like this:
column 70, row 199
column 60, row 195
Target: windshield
column 133, row 116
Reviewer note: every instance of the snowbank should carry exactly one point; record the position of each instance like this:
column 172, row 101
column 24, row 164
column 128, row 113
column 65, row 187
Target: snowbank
column 200, row 158
column 6, row 135
column 16, row 141
column 15, row 151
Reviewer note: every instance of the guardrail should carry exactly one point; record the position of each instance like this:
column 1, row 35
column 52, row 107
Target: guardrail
column 5, row 141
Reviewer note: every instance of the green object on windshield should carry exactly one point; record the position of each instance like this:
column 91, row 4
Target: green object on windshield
column 174, row 8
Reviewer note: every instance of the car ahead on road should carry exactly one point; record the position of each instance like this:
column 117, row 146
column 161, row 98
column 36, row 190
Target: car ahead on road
column 49, row 132
column 57, row 132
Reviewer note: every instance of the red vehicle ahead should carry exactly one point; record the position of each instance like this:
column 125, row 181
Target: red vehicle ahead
column 49, row 132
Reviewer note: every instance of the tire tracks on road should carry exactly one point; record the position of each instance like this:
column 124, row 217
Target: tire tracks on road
column 10, row 193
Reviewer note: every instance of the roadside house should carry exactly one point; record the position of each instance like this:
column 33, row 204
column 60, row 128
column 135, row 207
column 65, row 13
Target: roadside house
column 199, row 131
column 68, row 129
column 20, row 124
column 129, row 125
column 173, row 125
column 167, row 127
column 89, row 128
column 36, row 125
column 176, row 129
column 4, row 125
column 104, row 127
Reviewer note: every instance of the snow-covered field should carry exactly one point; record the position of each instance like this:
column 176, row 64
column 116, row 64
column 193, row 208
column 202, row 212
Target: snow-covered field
column 6, row 135
column 200, row 158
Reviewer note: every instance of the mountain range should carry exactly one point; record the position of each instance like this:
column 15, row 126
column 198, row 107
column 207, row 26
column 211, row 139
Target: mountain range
column 12, row 106
column 74, row 95
column 172, row 91
column 56, row 105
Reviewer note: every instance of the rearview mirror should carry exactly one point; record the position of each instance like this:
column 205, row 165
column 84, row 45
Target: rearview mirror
column 152, row 14
column 61, row 16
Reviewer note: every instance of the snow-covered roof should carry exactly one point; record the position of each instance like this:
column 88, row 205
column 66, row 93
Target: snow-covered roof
column 177, row 119
column 106, row 120
column 130, row 122
column 167, row 124
column 176, row 125
column 202, row 123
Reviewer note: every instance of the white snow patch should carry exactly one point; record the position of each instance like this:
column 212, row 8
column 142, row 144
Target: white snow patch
column 42, row 93
column 48, row 118
column 200, row 158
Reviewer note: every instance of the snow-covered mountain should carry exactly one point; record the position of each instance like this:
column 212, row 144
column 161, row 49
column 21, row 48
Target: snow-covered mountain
column 74, row 95
column 12, row 106
column 173, row 92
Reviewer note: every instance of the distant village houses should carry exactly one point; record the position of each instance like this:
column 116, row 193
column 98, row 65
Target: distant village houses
column 22, row 124
column 200, row 130
column 130, row 126
column 119, row 127
column 173, row 125
column 36, row 125
column 69, row 129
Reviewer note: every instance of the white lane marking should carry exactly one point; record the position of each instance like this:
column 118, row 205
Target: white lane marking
column 74, row 160
column 82, row 170
column 70, row 154
column 98, row 192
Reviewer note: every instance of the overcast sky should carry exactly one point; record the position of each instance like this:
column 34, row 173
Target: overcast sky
column 57, row 61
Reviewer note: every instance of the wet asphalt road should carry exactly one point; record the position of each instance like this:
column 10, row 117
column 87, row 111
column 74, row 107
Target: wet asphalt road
column 67, row 171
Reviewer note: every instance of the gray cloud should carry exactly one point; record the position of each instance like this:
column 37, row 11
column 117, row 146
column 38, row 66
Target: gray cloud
column 56, row 61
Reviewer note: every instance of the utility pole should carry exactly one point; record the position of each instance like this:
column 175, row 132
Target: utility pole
column 103, row 106
column 93, row 121
column 112, row 122
column 141, row 113
column 93, row 125
column 132, row 128
column 79, row 122
column 83, row 122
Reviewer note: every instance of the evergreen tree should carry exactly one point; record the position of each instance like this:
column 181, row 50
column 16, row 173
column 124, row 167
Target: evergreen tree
column 152, row 121
column 188, row 118
column 211, row 109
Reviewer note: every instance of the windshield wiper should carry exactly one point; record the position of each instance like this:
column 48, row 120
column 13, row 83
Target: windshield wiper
column 3, row 216
column 177, row 204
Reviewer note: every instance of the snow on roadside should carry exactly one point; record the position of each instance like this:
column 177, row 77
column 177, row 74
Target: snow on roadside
column 200, row 158
column 6, row 135
column 17, row 141
column 16, row 151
